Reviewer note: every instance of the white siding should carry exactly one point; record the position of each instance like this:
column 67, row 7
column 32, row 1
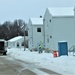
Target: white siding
column 30, row 34
column 63, row 30
column 37, row 36
column 48, row 29
column 34, row 36
column 14, row 42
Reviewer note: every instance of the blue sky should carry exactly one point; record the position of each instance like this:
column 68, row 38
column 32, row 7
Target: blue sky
column 25, row 9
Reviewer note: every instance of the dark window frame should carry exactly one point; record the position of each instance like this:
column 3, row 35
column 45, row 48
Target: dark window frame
column 50, row 20
column 39, row 29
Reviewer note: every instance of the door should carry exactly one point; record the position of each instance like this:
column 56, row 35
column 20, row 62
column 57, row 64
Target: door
column 63, row 48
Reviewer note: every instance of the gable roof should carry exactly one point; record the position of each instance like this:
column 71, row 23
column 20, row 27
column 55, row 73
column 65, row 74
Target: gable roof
column 37, row 21
column 15, row 38
column 61, row 11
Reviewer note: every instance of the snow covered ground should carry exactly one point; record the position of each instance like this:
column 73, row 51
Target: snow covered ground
column 64, row 64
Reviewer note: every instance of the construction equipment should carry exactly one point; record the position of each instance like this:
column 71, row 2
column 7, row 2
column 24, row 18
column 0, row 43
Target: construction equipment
column 3, row 46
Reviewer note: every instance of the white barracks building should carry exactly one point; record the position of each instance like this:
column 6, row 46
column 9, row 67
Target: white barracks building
column 58, row 25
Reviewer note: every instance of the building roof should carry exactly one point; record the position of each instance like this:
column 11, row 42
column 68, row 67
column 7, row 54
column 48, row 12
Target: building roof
column 15, row 38
column 61, row 11
column 2, row 40
column 37, row 21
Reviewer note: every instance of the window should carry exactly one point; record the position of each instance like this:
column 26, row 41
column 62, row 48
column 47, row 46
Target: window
column 38, row 29
column 50, row 20
column 50, row 36
column 22, row 44
column 17, row 44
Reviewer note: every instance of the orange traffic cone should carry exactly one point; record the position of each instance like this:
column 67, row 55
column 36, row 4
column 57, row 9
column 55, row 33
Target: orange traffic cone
column 55, row 53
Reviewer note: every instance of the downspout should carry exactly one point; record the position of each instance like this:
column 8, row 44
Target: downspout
column 44, row 30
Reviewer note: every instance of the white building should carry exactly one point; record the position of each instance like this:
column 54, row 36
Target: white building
column 59, row 26
column 35, row 32
column 16, row 42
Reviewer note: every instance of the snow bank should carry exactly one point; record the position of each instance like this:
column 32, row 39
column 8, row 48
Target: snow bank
column 63, row 64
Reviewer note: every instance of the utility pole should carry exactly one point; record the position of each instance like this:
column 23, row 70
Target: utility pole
column 24, row 37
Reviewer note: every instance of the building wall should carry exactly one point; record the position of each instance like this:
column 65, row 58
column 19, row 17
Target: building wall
column 37, row 36
column 34, row 37
column 63, row 30
column 30, row 34
column 47, row 21
column 14, row 43
column 60, row 29
column 20, row 41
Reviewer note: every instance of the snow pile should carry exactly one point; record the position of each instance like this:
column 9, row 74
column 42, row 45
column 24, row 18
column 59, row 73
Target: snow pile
column 63, row 64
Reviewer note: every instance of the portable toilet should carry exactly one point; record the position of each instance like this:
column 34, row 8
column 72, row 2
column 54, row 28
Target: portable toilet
column 62, row 48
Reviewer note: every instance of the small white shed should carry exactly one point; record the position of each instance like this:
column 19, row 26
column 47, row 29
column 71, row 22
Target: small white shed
column 35, row 32
column 59, row 26
column 16, row 42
